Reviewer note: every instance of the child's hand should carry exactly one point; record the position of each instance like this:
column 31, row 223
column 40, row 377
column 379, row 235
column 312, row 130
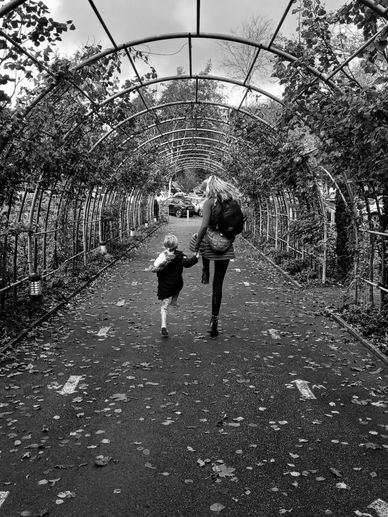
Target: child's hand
column 198, row 254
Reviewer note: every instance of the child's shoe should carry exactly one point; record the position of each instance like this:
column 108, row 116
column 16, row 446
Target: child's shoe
column 174, row 304
column 164, row 332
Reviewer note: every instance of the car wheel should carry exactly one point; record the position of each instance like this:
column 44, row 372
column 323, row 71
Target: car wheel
column 178, row 213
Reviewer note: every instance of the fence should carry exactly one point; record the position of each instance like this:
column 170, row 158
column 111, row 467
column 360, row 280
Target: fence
column 50, row 232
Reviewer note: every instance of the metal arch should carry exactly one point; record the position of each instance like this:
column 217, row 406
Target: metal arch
column 206, row 166
column 202, row 129
column 194, row 129
column 190, row 153
column 127, row 53
column 178, row 103
column 186, row 138
column 210, row 119
column 198, row 164
column 194, row 137
column 187, row 77
column 194, row 151
column 380, row 10
column 202, row 103
column 196, row 148
column 199, row 151
column 172, row 141
column 10, row 7
column 376, row 7
column 200, row 159
column 187, row 35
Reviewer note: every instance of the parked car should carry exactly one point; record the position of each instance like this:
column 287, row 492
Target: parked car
column 179, row 206
column 198, row 202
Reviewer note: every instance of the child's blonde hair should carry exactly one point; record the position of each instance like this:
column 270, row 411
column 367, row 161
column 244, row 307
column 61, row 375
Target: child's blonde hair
column 170, row 242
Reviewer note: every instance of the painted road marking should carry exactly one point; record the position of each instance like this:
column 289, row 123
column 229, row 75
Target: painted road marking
column 103, row 331
column 247, row 284
column 70, row 385
column 380, row 507
column 304, row 389
column 274, row 333
column 120, row 303
column 3, row 497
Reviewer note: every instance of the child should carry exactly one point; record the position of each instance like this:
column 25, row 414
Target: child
column 169, row 267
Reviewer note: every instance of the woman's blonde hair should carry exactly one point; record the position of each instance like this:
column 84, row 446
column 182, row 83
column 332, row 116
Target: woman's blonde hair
column 221, row 189
column 170, row 242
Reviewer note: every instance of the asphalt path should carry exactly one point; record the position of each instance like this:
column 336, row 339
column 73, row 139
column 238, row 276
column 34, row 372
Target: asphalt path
column 282, row 414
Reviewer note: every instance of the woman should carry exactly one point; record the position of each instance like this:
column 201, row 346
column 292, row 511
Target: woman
column 217, row 191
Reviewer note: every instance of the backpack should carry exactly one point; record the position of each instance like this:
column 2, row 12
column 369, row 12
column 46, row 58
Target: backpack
column 230, row 219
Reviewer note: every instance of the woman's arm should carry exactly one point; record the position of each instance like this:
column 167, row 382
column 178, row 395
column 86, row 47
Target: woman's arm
column 207, row 212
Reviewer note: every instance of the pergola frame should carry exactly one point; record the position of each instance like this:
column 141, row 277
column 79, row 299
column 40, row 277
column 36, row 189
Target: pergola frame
column 184, row 147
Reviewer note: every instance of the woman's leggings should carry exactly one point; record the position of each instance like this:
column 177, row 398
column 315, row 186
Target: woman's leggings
column 220, row 267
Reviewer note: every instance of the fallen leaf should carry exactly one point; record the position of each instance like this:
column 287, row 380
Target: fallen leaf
column 336, row 472
column 217, row 507
column 101, row 461
column 223, row 471
column 342, row 486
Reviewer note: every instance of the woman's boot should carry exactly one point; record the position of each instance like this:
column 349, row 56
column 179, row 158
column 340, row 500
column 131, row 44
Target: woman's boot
column 213, row 326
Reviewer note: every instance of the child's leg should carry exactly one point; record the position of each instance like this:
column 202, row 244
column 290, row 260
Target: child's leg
column 163, row 311
column 174, row 300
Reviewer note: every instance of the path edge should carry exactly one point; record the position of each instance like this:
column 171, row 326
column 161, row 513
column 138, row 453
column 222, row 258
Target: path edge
column 372, row 348
column 61, row 304
column 284, row 273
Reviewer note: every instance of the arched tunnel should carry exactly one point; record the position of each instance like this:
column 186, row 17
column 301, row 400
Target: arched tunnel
column 291, row 108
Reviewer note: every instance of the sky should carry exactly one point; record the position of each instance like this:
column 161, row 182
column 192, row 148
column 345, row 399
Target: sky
column 132, row 20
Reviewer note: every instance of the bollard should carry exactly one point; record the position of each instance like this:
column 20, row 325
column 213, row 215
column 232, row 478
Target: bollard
column 188, row 214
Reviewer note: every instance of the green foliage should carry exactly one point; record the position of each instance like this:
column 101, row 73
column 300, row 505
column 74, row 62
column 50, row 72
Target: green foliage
column 31, row 28
column 369, row 320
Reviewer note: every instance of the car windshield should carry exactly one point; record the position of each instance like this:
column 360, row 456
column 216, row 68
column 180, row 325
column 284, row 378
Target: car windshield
column 181, row 200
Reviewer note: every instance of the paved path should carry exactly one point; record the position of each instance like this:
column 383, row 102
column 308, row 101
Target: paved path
column 282, row 414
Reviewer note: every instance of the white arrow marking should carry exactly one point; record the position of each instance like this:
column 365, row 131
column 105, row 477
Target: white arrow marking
column 304, row 389
column 70, row 385
column 381, row 507
column 274, row 333
column 3, row 497
column 103, row 331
